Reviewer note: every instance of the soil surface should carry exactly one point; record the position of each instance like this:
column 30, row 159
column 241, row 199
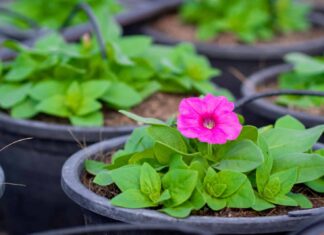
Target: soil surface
column 159, row 105
column 112, row 190
column 172, row 25
column 318, row 111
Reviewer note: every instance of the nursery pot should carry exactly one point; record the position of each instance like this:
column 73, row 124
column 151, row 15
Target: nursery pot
column 239, row 61
column 315, row 227
column 36, row 164
column 133, row 13
column 264, row 110
column 100, row 206
column 125, row 229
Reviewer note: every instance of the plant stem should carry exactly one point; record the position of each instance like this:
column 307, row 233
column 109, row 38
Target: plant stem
column 210, row 150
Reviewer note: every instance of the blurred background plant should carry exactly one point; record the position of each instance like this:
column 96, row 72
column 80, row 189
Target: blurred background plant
column 52, row 13
column 248, row 20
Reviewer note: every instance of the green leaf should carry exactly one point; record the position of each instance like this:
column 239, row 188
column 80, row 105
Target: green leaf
column 197, row 200
column 287, row 179
column 302, row 200
column 94, row 167
column 272, row 188
column 283, row 141
column 283, row 200
column 249, row 133
column 116, row 54
column 54, row 105
column 216, row 204
column 135, row 45
column 242, row 156
column 21, row 68
column 143, row 156
column 12, row 94
column 150, row 182
column 46, row 88
column 87, row 106
column 95, row 89
column 263, row 172
column 168, row 136
column 149, row 89
column 309, row 166
column 316, row 185
column 127, row 177
column 164, row 196
column 132, row 198
column 181, row 211
column 91, row 119
column 103, row 178
column 261, row 204
column 50, row 42
column 121, row 96
column 24, row 109
column 305, row 64
column 243, row 197
column 289, row 122
column 73, row 97
column 143, row 120
column 176, row 162
column 119, row 159
column 181, row 183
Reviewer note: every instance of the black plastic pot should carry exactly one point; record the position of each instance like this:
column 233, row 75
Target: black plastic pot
column 100, row 206
column 264, row 111
column 37, row 163
column 125, row 229
column 239, row 61
column 316, row 227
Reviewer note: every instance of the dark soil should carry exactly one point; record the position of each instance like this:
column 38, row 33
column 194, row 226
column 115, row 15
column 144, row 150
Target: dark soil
column 112, row 190
column 159, row 105
column 172, row 25
column 319, row 111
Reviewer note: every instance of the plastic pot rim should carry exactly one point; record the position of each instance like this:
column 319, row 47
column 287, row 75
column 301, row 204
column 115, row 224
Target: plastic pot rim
column 2, row 182
column 44, row 130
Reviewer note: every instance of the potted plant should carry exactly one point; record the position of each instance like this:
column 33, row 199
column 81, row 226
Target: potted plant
column 241, row 37
column 205, row 170
column 303, row 72
column 70, row 93
column 52, row 16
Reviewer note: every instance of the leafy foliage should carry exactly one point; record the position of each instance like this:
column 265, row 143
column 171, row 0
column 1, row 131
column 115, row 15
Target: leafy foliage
column 247, row 20
column 71, row 80
column 53, row 13
column 160, row 168
column 307, row 74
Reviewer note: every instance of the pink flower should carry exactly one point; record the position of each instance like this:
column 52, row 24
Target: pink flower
column 210, row 119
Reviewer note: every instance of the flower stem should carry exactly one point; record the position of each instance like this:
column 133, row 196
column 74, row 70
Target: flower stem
column 210, row 150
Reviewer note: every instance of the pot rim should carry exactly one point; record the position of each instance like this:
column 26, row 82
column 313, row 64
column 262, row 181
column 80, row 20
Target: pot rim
column 239, row 52
column 2, row 181
column 73, row 187
column 46, row 130
column 274, row 111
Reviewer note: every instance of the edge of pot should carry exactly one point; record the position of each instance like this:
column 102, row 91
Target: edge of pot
column 2, row 181
column 267, row 109
column 87, row 199
column 238, row 52
column 45, row 130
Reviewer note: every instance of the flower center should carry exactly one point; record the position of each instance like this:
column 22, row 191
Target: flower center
column 209, row 123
